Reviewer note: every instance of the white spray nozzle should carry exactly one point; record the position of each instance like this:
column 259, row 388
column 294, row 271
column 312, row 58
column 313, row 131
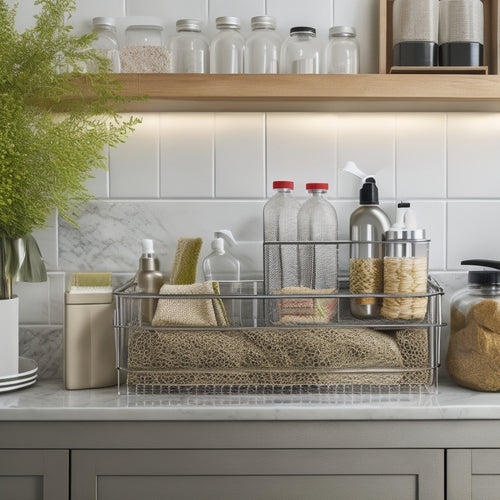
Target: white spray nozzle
column 225, row 234
column 147, row 247
column 353, row 169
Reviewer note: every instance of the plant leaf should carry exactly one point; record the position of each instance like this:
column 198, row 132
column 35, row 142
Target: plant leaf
column 33, row 268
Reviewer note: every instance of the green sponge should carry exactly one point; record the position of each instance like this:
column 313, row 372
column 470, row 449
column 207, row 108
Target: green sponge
column 186, row 261
column 91, row 279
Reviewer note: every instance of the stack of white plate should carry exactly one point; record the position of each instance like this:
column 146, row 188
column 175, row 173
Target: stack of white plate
column 28, row 373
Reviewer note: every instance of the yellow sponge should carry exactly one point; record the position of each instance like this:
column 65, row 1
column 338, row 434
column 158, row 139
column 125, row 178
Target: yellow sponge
column 186, row 261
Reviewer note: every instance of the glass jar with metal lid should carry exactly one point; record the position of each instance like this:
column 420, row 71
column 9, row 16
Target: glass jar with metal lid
column 474, row 345
column 144, row 51
column 342, row 51
column 106, row 43
column 301, row 52
column 226, row 47
column 189, row 48
column 262, row 48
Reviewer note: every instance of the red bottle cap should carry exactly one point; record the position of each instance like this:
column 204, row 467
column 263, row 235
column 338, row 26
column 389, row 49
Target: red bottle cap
column 317, row 185
column 283, row 184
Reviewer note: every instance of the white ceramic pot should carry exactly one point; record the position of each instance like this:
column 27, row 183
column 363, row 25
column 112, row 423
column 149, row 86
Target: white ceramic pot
column 9, row 336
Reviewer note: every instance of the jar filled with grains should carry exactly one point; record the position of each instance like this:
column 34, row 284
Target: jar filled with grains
column 473, row 358
column 144, row 51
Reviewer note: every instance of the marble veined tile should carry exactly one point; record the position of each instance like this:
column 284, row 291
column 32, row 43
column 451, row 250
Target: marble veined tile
column 45, row 346
column 110, row 233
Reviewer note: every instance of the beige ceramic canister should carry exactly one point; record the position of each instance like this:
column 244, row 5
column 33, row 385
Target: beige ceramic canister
column 89, row 341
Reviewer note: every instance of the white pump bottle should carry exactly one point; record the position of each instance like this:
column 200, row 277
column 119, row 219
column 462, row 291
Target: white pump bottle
column 220, row 264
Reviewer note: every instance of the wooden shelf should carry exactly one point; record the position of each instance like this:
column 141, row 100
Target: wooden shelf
column 365, row 92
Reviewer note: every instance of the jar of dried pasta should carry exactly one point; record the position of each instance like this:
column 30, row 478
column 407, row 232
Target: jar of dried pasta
column 406, row 266
column 473, row 358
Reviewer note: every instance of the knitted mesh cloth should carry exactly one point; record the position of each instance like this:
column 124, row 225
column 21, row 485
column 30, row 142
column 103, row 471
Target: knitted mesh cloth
column 277, row 356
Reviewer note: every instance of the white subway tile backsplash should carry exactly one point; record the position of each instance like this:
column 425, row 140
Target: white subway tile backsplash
column 47, row 241
column 81, row 19
column 33, row 302
column 240, row 155
column 369, row 141
column 57, row 287
column 134, row 165
column 421, row 155
column 301, row 147
column 363, row 15
column 290, row 13
column 471, row 232
column 169, row 11
column 187, row 155
column 98, row 184
column 431, row 215
column 473, row 155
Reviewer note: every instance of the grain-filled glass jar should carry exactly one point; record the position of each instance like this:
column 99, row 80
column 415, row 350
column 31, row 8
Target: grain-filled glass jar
column 473, row 358
column 144, row 51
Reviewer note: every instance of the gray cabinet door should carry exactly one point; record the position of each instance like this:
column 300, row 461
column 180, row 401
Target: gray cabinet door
column 257, row 474
column 473, row 474
column 34, row 474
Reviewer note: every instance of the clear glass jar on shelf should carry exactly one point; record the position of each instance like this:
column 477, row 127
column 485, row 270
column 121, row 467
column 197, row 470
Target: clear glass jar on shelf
column 262, row 48
column 106, row 44
column 226, row 47
column 188, row 48
column 342, row 51
column 144, row 51
column 301, row 52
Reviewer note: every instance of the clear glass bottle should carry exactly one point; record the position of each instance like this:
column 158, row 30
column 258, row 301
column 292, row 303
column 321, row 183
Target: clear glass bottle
column 262, row 48
column 106, row 43
column 473, row 349
column 144, row 51
column 227, row 46
column 317, row 221
column 342, row 51
column 301, row 52
column 189, row 48
column 280, row 224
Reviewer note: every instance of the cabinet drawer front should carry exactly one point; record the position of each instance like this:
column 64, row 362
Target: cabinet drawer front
column 34, row 474
column 262, row 474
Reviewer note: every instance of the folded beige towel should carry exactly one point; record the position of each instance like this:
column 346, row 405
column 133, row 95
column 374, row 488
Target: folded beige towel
column 190, row 311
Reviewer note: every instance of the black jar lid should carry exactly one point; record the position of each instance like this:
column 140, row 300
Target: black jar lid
column 303, row 29
column 483, row 277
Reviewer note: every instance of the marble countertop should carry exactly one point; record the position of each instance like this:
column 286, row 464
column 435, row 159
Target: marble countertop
column 48, row 400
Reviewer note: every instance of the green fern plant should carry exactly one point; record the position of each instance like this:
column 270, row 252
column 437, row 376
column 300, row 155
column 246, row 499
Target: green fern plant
column 54, row 126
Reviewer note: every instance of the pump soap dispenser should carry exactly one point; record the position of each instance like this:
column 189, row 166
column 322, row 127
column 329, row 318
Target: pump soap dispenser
column 149, row 279
column 221, row 264
column 368, row 224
